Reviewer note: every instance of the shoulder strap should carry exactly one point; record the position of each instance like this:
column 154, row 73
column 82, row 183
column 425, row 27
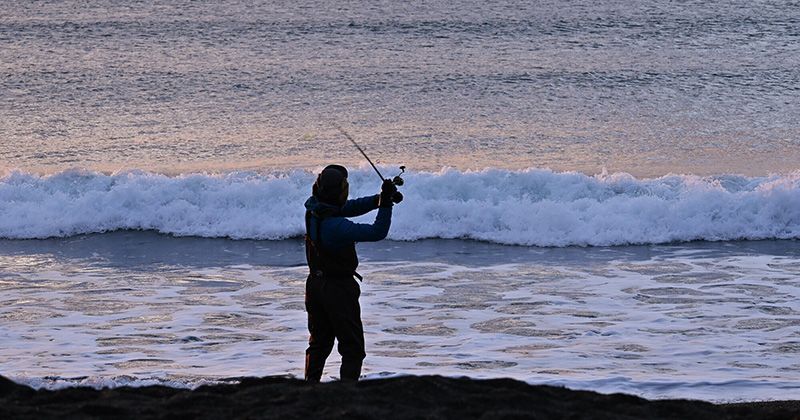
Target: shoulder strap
column 318, row 242
column 319, row 251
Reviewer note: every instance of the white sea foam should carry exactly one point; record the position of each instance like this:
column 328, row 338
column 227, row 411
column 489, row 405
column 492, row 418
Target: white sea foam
column 101, row 382
column 531, row 207
column 718, row 328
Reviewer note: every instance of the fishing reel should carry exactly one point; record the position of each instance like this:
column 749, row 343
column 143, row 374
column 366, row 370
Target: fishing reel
column 397, row 180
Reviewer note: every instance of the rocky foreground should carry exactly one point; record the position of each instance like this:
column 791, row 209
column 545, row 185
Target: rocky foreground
column 416, row 397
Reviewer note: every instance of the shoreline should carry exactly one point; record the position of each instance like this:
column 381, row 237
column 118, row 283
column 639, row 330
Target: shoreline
column 397, row 397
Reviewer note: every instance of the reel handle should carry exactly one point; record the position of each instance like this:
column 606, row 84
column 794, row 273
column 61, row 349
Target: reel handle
column 397, row 180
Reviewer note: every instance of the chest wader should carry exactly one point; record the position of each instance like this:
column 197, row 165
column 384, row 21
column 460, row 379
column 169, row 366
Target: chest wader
column 332, row 305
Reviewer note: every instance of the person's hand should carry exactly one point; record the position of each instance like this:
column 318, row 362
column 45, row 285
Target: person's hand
column 388, row 190
column 397, row 197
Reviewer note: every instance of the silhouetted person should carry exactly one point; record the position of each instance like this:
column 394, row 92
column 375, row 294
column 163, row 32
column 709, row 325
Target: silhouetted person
column 331, row 289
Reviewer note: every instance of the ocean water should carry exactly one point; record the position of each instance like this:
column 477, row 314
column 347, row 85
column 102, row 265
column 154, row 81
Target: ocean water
column 644, row 87
column 601, row 196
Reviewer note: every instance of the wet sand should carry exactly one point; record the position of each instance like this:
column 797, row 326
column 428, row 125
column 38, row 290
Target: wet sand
column 399, row 397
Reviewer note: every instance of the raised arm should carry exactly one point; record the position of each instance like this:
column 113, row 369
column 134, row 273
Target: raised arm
column 347, row 231
column 359, row 206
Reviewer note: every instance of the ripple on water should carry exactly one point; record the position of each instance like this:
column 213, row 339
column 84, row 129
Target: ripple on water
column 755, row 290
column 530, row 349
column 268, row 297
column 627, row 356
column 652, row 269
column 437, row 329
column 98, row 307
column 743, row 365
column 660, row 367
column 395, row 280
column 117, row 290
column 237, row 337
column 409, row 270
column 202, row 286
column 236, row 320
column 28, row 315
column 137, row 340
column 534, row 273
column 143, row 319
column 202, row 299
column 657, row 300
column 516, row 326
column 698, row 314
column 689, row 332
column 583, row 314
column 777, row 310
column 671, row 291
column 471, row 365
column 402, row 344
column 670, row 295
column 463, row 297
column 634, row 348
column 523, row 308
column 398, row 348
column 293, row 306
column 143, row 363
column 790, row 347
column 124, row 350
column 766, row 324
column 792, row 267
column 695, row 278
column 513, row 326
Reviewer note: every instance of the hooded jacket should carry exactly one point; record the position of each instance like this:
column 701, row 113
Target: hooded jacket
column 339, row 234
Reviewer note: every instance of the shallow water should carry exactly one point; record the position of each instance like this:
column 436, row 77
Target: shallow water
column 716, row 321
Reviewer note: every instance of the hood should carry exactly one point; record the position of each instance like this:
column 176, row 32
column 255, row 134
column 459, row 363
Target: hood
column 320, row 209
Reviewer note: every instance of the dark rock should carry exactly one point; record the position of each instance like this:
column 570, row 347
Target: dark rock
column 417, row 397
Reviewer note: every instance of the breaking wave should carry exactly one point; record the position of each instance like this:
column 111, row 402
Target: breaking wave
column 531, row 207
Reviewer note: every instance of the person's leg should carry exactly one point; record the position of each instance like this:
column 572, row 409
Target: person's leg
column 344, row 314
column 321, row 336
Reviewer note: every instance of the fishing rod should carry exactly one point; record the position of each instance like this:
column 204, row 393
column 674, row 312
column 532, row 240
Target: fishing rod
column 397, row 180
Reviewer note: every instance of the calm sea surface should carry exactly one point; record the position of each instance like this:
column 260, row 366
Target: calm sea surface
column 646, row 87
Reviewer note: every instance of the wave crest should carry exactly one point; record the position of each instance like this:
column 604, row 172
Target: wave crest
column 531, row 207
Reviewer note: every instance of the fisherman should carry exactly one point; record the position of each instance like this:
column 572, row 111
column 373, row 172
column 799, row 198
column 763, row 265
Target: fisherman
column 331, row 289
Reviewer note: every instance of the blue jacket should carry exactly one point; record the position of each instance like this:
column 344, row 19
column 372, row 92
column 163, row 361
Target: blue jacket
column 338, row 232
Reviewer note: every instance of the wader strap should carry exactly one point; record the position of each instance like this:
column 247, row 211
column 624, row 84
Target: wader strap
column 318, row 248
